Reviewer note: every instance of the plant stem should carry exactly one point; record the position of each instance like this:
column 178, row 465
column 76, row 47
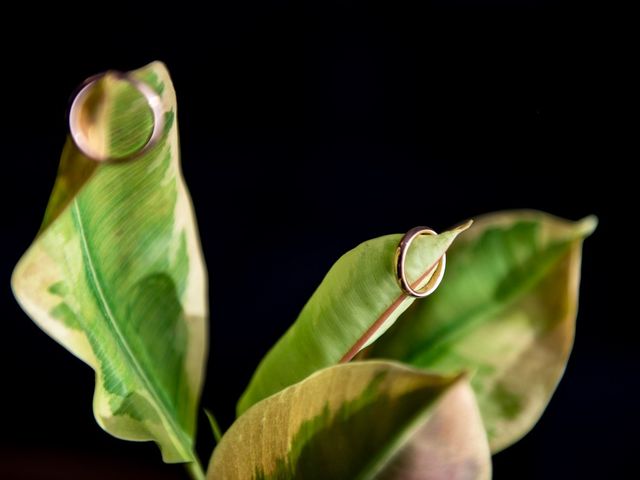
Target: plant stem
column 195, row 470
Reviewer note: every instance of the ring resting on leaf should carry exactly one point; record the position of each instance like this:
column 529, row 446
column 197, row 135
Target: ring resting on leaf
column 79, row 116
column 401, row 257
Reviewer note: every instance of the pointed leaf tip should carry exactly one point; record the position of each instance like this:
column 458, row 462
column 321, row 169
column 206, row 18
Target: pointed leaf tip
column 587, row 225
column 463, row 226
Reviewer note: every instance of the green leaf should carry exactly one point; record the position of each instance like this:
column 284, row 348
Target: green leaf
column 116, row 274
column 215, row 428
column 506, row 311
column 360, row 420
column 357, row 301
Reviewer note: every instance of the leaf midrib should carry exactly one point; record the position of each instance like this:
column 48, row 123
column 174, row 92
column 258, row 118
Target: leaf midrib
column 382, row 318
column 92, row 275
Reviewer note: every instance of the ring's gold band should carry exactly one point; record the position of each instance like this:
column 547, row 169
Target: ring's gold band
column 81, row 141
column 401, row 258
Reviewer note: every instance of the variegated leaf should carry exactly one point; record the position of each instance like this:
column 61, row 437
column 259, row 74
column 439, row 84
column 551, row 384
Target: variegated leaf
column 359, row 421
column 116, row 274
column 506, row 312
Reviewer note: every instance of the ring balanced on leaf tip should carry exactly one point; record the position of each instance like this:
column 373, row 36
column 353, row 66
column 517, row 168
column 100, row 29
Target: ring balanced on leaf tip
column 401, row 257
column 80, row 119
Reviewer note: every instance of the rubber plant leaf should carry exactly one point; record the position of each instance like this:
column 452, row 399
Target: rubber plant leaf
column 116, row 273
column 506, row 313
column 358, row 300
column 358, row 421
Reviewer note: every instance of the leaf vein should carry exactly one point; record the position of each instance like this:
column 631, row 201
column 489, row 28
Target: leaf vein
column 119, row 337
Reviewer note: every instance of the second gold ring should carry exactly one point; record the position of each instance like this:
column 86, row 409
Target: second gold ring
column 400, row 261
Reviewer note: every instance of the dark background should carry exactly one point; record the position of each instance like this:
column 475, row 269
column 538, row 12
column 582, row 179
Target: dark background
column 304, row 131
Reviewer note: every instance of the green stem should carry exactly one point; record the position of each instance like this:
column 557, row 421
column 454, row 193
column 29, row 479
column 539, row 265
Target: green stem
column 195, row 470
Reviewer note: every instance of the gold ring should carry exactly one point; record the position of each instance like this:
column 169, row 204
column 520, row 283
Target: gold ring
column 401, row 257
column 76, row 118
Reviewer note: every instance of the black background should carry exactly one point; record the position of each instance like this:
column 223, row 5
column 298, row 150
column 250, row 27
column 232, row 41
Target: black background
column 304, row 131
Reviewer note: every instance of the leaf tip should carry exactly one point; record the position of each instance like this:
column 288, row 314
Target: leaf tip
column 587, row 225
column 463, row 226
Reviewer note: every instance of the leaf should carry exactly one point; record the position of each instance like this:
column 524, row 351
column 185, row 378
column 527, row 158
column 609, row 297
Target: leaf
column 213, row 423
column 357, row 301
column 506, row 312
column 360, row 420
column 116, row 274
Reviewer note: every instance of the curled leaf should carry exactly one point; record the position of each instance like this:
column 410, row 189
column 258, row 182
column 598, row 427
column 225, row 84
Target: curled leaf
column 116, row 274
